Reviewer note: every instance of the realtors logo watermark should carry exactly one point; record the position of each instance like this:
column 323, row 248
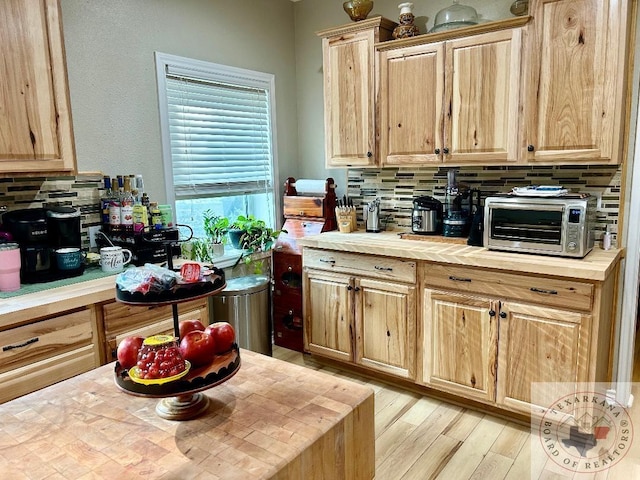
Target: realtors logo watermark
column 586, row 432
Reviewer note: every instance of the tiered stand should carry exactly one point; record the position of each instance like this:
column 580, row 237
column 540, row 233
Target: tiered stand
column 180, row 399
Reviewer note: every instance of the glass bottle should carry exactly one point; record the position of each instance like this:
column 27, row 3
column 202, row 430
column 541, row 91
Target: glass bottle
column 126, row 206
column 104, row 203
column 114, row 208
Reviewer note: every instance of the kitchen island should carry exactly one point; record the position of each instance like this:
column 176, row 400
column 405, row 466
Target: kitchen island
column 271, row 420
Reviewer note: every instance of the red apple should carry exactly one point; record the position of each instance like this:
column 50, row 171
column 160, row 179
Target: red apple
column 223, row 336
column 187, row 326
column 127, row 352
column 198, row 347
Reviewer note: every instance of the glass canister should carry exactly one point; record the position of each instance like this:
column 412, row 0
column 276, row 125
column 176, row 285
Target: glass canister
column 9, row 267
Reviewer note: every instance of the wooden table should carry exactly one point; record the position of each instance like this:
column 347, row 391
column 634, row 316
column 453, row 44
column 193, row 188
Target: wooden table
column 272, row 419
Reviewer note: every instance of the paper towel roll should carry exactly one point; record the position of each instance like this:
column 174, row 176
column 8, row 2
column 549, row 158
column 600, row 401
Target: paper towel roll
column 309, row 186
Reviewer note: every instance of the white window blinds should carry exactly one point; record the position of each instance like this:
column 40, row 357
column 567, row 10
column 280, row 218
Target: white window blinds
column 220, row 135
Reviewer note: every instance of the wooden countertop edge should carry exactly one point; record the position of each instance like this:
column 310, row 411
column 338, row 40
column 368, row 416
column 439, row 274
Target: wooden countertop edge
column 596, row 266
column 56, row 300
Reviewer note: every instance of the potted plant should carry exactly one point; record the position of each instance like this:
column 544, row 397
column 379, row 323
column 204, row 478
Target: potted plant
column 251, row 234
column 215, row 227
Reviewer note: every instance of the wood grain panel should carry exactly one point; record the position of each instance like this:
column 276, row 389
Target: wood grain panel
column 385, row 326
column 461, row 340
column 40, row 340
column 35, row 128
column 328, row 310
column 571, row 294
column 299, row 206
column 411, row 96
column 371, row 266
column 540, row 345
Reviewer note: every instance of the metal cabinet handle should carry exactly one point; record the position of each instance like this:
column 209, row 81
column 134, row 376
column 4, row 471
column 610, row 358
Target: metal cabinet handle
column 384, row 269
column 530, row 148
column 369, row 154
column 20, row 345
column 542, row 290
column 492, row 313
column 331, row 261
column 503, row 314
column 437, row 151
column 357, row 289
column 349, row 287
column 302, row 213
column 445, row 150
column 459, row 279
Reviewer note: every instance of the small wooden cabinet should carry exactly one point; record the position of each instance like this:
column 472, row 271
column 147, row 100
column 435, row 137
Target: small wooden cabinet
column 360, row 309
column 36, row 122
column 47, row 350
column 121, row 320
column 575, row 81
column 454, row 101
column 349, row 91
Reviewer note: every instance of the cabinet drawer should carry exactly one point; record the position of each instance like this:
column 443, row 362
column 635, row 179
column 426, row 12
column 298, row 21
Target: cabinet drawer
column 359, row 264
column 120, row 318
column 47, row 338
column 569, row 294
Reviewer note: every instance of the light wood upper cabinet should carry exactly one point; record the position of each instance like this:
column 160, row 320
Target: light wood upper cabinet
column 349, row 91
column 35, row 116
column 576, row 59
column 454, row 101
column 460, row 351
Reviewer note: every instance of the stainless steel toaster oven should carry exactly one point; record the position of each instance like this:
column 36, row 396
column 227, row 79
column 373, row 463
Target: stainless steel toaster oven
column 562, row 225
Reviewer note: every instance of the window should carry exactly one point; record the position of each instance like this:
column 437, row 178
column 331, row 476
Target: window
column 218, row 139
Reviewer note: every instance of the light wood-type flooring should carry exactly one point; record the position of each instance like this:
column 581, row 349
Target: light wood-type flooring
column 422, row 438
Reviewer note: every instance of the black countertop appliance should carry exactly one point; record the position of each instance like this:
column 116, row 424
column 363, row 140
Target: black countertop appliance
column 426, row 217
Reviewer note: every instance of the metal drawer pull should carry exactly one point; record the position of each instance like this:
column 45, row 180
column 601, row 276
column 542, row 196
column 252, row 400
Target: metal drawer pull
column 459, row 279
column 384, row 269
column 28, row 342
column 332, row 262
column 542, row 290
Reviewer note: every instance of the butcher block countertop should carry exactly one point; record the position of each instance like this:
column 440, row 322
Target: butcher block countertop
column 596, row 266
column 271, row 420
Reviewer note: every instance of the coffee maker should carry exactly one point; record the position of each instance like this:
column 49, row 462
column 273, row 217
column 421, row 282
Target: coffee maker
column 457, row 214
column 39, row 232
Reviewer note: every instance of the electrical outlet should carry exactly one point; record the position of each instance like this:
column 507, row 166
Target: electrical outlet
column 93, row 231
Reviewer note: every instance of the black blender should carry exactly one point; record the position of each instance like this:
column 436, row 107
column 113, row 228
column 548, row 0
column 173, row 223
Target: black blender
column 457, row 215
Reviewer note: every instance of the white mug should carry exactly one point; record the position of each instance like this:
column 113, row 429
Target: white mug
column 112, row 259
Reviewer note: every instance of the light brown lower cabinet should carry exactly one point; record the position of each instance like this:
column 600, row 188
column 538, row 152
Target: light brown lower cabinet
column 518, row 342
column 47, row 350
column 365, row 321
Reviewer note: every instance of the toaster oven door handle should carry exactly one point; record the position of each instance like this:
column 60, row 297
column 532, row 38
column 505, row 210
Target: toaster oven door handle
column 523, row 205
column 544, row 291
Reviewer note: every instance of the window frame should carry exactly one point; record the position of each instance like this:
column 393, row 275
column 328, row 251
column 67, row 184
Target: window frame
column 217, row 73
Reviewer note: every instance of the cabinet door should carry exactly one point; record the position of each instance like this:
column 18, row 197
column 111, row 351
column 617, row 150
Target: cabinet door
column 574, row 105
column 385, row 324
column 544, row 345
column 328, row 314
column 482, row 76
column 35, row 124
column 348, row 99
column 411, row 94
column 460, row 342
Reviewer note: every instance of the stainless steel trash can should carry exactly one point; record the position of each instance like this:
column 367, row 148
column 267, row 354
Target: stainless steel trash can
column 245, row 304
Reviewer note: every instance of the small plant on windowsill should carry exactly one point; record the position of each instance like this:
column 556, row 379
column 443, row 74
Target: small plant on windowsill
column 216, row 227
column 249, row 233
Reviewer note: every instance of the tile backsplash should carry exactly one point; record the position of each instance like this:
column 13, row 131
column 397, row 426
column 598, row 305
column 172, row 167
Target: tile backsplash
column 79, row 191
column 397, row 187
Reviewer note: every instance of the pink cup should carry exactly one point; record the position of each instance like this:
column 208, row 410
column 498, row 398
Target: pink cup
column 9, row 267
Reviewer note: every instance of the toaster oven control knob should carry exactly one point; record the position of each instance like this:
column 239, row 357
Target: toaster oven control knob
column 572, row 245
column 530, row 148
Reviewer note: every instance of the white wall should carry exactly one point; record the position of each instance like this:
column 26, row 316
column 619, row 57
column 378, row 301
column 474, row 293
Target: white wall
column 110, row 48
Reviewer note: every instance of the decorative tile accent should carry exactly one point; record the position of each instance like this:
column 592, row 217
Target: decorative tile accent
column 397, row 187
